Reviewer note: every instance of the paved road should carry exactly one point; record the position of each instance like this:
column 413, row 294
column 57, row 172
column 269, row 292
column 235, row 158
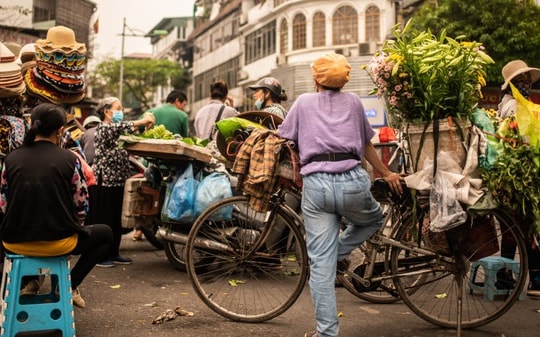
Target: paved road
column 123, row 301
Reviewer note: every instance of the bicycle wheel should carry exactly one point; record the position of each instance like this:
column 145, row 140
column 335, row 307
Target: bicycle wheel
column 371, row 260
column 259, row 262
column 457, row 291
column 361, row 258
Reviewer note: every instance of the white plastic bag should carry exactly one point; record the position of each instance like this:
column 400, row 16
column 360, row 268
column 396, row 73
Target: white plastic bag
column 445, row 210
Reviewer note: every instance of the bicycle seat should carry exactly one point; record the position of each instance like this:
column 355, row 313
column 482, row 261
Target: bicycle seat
column 380, row 189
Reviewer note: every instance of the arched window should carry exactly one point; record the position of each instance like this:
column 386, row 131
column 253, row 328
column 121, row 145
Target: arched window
column 283, row 37
column 299, row 32
column 372, row 23
column 319, row 29
column 345, row 26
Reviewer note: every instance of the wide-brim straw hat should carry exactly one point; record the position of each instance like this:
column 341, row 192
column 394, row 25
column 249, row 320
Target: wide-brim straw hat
column 27, row 53
column 518, row 67
column 7, row 60
column 266, row 119
column 13, row 91
column 14, row 47
column 33, row 87
column 60, row 39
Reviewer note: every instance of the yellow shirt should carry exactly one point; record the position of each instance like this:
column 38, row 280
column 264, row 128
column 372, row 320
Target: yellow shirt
column 44, row 248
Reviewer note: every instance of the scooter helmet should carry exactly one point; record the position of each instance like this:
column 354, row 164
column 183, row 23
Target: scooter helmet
column 269, row 83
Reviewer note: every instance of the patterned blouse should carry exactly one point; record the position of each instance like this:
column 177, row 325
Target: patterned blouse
column 111, row 163
column 276, row 109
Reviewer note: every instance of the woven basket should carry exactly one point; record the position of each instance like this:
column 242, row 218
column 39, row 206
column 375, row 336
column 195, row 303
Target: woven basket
column 436, row 241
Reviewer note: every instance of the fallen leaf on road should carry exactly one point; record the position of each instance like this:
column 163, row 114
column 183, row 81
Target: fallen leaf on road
column 171, row 314
column 182, row 312
column 166, row 316
column 117, row 286
column 440, row 296
column 235, row 283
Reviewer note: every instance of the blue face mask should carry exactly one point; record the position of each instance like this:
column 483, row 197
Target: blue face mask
column 259, row 104
column 117, row 116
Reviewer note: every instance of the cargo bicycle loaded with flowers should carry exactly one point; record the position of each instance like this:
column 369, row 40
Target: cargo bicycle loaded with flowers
column 427, row 80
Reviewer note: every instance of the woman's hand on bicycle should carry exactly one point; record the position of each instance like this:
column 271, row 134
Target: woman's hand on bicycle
column 394, row 182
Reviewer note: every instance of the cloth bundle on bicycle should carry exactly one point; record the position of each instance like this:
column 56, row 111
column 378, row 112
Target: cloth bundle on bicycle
column 451, row 186
column 257, row 166
column 189, row 194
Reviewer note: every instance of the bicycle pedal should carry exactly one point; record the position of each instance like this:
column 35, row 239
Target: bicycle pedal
column 359, row 279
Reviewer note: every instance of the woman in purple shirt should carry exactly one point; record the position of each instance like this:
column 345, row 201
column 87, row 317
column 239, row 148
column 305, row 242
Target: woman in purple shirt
column 333, row 134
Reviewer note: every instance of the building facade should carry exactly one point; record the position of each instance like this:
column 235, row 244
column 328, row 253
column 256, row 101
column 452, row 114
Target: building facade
column 242, row 41
column 169, row 39
column 25, row 21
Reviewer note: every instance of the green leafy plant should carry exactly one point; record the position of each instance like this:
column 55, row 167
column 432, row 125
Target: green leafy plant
column 514, row 179
column 423, row 77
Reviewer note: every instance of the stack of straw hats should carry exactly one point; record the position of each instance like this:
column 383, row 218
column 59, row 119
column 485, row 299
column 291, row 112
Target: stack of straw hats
column 11, row 80
column 58, row 75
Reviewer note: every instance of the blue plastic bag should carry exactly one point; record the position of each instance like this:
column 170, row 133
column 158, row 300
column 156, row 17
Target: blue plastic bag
column 212, row 189
column 181, row 204
column 168, row 192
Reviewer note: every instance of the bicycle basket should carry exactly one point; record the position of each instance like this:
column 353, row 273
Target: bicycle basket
column 230, row 146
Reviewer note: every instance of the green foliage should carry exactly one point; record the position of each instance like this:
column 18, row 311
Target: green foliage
column 508, row 29
column 158, row 132
column 141, row 78
column 515, row 179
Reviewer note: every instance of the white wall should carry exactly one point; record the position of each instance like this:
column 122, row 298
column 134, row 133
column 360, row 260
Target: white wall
column 9, row 15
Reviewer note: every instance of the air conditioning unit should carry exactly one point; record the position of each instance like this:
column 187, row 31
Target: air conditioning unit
column 243, row 19
column 364, row 49
column 243, row 75
column 281, row 59
column 343, row 51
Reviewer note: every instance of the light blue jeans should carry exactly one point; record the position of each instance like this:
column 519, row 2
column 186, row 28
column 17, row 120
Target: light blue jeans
column 327, row 197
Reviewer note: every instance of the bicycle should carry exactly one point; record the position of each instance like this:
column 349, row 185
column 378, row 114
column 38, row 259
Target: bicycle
column 384, row 291
column 256, row 264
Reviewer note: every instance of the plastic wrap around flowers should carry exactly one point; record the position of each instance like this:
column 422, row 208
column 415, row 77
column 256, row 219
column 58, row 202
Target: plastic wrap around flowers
column 423, row 77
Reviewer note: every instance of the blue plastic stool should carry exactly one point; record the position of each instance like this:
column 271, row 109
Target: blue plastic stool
column 42, row 312
column 491, row 265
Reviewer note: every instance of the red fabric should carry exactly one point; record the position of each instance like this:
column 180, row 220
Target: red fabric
column 386, row 135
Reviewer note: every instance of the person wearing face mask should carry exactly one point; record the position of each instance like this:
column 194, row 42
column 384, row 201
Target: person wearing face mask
column 522, row 77
column 111, row 169
column 44, row 201
column 268, row 96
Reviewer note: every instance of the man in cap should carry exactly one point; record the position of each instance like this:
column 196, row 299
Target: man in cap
column 171, row 114
column 333, row 134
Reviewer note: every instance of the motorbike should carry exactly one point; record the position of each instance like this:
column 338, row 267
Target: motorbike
column 147, row 224
column 144, row 196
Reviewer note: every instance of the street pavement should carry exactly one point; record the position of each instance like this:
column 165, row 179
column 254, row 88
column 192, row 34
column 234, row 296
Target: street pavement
column 124, row 300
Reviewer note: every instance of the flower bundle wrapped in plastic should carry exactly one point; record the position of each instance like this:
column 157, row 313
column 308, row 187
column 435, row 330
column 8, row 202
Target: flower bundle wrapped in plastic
column 423, row 77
